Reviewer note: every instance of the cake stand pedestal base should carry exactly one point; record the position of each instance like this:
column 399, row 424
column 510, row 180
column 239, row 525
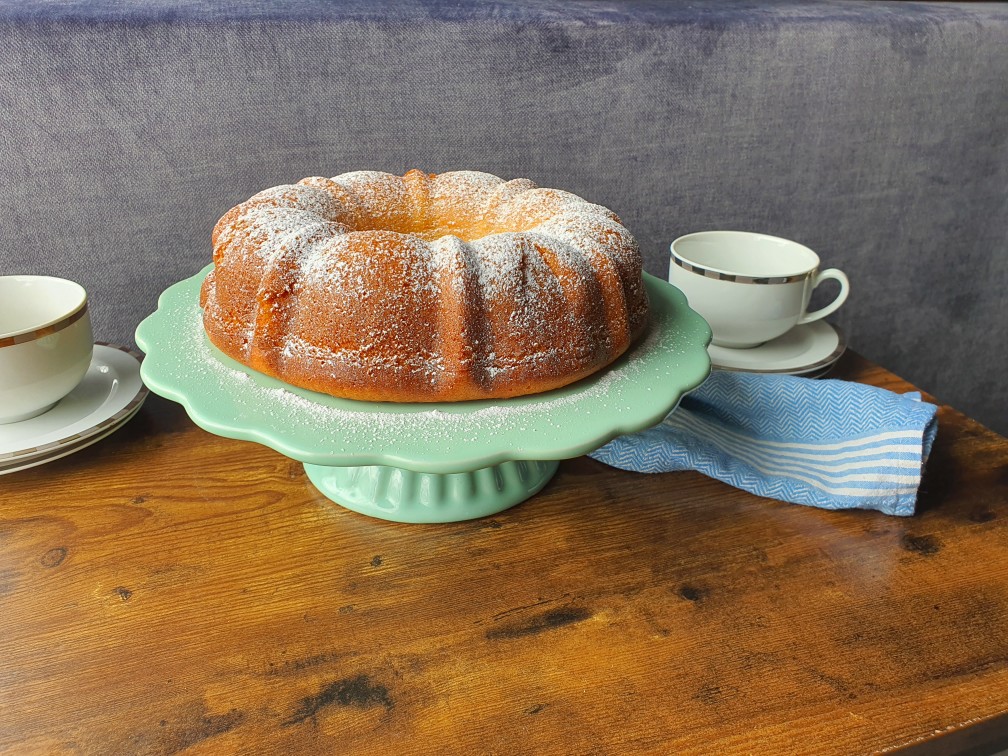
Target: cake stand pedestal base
column 393, row 493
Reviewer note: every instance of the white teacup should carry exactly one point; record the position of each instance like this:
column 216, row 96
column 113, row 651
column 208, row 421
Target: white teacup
column 45, row 343
column 749, row 287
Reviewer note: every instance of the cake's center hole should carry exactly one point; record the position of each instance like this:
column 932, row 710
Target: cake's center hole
column 465, row 221
column 464, row 229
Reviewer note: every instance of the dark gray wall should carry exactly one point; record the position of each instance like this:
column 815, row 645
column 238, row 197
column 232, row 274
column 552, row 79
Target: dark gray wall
column 874, row 133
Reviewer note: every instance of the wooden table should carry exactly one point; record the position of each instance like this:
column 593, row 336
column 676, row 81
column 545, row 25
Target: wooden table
column 167, row 589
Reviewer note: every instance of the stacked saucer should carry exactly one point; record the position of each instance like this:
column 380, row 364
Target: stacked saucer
column 809, row 351
column 109, row 395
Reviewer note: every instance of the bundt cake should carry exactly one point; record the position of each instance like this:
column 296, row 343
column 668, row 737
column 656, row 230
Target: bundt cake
column 423, row 288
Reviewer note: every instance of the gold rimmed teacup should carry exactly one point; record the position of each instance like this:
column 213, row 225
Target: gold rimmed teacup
column 46, row 343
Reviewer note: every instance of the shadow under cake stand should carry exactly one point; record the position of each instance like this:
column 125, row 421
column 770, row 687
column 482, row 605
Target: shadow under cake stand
column 424, row 462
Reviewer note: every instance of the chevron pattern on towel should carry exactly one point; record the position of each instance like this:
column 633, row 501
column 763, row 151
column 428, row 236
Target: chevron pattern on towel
column 825, row 443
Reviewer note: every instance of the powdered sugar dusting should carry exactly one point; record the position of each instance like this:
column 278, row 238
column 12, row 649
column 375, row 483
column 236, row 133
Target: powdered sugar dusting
column 502, row 206
column 528, row 248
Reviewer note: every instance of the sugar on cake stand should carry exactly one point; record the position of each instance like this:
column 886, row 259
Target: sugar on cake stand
column 424, row 462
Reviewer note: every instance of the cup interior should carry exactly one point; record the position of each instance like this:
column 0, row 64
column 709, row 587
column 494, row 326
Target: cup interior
column 28, row 303
column 742, row 253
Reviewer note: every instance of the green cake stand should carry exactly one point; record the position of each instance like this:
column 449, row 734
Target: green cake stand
column 424, row 462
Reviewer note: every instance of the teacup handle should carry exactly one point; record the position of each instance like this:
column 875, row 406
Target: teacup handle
column 836, row 275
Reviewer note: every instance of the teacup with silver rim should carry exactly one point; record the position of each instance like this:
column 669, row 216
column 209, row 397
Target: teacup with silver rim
column 750, row 287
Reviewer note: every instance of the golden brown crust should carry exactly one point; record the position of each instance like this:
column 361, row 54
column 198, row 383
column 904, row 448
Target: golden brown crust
column 424, row 287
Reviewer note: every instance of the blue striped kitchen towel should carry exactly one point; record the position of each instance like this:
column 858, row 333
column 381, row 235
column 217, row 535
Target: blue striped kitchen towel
column 826, row 443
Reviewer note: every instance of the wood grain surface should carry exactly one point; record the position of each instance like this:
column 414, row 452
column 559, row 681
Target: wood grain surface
column 168, row 590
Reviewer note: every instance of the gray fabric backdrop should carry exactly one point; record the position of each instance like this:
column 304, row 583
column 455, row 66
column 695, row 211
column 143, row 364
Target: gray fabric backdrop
column 875, row 133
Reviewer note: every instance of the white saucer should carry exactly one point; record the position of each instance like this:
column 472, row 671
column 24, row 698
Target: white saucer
column 23, row 463
column 808, row 350
column 109, row 395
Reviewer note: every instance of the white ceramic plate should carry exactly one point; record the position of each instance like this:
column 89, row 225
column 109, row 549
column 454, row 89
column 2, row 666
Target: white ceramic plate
column 110, row 393
column 804, row 350
column 23, row 463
